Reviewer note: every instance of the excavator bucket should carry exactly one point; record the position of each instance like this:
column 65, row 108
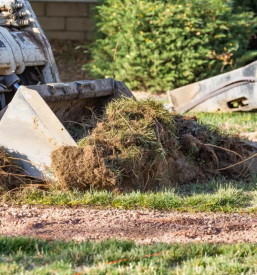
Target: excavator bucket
column 35, row 107
column 34, row 122
column 229, row 92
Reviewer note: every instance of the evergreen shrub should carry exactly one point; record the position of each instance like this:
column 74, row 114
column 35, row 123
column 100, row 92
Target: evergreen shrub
column 248, row 5
column 167, row 44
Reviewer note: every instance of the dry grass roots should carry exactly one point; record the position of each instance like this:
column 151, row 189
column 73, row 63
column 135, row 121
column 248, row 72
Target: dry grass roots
column 140, row 145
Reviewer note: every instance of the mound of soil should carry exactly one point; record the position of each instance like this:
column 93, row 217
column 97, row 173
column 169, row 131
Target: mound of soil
column 140, row 145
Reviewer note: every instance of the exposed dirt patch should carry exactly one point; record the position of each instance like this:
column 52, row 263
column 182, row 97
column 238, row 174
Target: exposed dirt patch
column 140, row 145
column 142, row 226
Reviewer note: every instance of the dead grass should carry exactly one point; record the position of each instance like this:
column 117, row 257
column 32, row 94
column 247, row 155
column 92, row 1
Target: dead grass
column 127, row 143
column 11, row 174
column 139, row 145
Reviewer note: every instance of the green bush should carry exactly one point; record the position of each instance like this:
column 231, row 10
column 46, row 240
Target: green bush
column 248, row 5
column 168, row 44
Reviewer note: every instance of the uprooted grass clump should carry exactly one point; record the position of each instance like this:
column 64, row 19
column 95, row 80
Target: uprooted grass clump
column 11, row 174
column 140, row 145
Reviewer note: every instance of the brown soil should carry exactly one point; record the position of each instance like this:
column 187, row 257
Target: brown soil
column 70, row 58
column 142, row 226
column 84, row 170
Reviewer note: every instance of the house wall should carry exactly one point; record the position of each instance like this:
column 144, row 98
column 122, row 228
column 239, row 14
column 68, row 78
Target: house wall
column 71, row 20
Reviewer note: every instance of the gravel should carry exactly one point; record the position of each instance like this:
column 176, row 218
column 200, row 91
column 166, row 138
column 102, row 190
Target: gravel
column 81, row 224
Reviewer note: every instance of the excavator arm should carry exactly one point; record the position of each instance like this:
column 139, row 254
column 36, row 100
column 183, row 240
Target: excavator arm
column 229, row 92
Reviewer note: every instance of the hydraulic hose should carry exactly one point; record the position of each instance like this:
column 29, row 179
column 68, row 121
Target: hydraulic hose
column 212, row 93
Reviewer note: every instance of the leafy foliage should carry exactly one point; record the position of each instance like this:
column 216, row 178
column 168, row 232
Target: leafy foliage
column 248, row 5
column 168, row 44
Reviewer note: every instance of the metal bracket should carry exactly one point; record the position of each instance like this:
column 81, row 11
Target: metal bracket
column 82, row 84
column 60, row 86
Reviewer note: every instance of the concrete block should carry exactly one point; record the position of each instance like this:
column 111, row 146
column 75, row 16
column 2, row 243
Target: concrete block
column 79, row 24
column 67, row 9
column 66, row 35
column 52, row 23
column 38, row 8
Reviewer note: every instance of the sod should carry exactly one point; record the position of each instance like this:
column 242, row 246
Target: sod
column 214, row 197
column 139, row 145
column 34, row 256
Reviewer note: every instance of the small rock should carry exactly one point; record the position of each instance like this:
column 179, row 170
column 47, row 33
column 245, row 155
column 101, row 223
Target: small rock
column 148, row 241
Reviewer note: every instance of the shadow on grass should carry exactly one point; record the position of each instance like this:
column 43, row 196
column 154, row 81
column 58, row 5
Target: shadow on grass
column 33, row 256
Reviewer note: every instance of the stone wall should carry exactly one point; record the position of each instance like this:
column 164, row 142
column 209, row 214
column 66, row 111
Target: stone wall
column 70, row 20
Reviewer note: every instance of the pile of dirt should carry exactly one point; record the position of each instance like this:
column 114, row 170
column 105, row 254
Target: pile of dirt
column 140, row 145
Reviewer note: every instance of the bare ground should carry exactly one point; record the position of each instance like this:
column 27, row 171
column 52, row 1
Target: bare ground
column 81, row 224
column 70, row 58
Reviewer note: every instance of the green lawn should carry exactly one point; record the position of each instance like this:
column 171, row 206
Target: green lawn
column 231, row 122
column 212, row 196
column 32, row 256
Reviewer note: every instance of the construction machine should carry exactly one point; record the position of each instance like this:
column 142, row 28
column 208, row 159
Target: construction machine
column 34, row 105
column 228, row 92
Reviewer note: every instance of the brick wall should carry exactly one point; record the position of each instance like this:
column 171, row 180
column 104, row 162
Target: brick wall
column 65, row 20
